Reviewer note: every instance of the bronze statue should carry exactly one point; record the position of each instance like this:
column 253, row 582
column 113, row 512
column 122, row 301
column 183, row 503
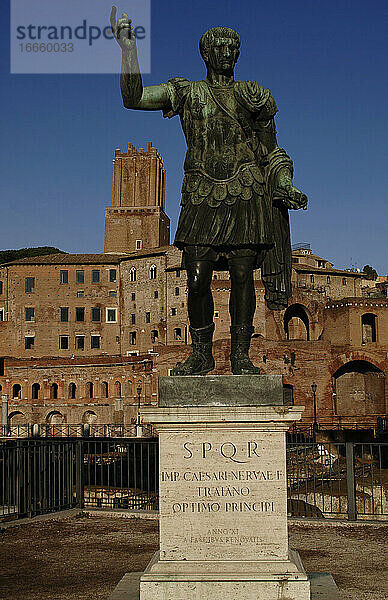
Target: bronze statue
column 236, row 191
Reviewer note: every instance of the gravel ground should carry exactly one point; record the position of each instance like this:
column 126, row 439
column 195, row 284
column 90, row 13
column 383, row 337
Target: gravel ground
column 83, row 558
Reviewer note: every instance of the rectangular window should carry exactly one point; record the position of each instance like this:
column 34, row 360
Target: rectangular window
column 138, row 244
column 95, row 276
column 1, row 314
column 95, row 342
column 1, row 287
column 312, row 278
column 112, row 275
column 64, row 276
column 156, row 294
column 79, row 342
column 80, row 294
column 29, row 342
column 148, row 317
column 111, row 315
column 344, row 281
column 216, row 314
column 80, row 276
column 177, row 291
column 133, row 297
column 63, row 342
column 96, row 313
column 328, row 279
column 113, row 294
column 64, row 314
column 133, row 319
column 30, row 285
column 132, row 338
column 178, row 272
column 29, row 313
column 173, row 312
column 80, row 313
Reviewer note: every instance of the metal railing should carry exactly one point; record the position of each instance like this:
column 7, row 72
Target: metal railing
column 120, row 474
column 338, row 480
column 36, row 477
column 303, row 431
column 67, row 430
column 300, row 432
column 324, row 480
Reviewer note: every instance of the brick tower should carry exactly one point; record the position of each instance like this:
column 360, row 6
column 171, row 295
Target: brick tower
column 137, row 219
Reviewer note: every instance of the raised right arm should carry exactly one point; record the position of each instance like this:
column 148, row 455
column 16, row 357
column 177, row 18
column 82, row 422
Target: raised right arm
column 134, row 96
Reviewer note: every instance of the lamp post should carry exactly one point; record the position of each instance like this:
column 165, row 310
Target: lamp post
column 315, row 424
column 139, row 428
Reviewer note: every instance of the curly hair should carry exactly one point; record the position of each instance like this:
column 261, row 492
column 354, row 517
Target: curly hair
column 217, row 32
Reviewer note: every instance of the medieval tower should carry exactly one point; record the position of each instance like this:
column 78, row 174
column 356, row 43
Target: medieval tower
column 136, row 220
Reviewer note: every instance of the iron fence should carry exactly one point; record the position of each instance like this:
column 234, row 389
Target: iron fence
column 304, row 431
column 68, row 430
column 37, row 476
column 120, row 474
column 43, row 476
column 338, row 480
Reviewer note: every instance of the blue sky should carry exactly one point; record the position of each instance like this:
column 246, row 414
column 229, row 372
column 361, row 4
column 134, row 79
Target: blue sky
column 325, row 63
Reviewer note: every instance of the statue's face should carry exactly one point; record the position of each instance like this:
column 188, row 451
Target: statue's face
column 222, row 55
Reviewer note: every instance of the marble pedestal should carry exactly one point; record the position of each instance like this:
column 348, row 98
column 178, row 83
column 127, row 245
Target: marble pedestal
column 223, row 492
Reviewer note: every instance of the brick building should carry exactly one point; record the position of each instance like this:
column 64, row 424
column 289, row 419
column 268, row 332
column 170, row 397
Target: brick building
column 80, row 332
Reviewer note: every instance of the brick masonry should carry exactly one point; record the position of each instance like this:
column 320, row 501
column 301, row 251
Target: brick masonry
column 133, row 320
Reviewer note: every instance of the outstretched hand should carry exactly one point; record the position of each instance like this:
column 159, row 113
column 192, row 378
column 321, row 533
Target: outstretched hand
column 122, row 29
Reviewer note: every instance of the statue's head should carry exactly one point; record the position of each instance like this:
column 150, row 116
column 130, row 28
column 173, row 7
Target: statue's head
column 220, row 48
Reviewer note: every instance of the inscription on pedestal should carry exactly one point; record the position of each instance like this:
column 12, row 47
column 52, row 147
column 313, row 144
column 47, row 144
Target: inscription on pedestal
column 223, row 496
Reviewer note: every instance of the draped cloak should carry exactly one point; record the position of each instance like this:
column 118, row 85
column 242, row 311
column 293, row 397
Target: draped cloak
column 229, row 196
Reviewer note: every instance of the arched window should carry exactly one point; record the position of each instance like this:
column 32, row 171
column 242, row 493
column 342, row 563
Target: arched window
column 154, row 336
column 104, row 389
column 16, row 391
column 368, row 324
column 117, row 389
column 132, row 274
column 54, row 391
column 296, row 323
column 89, row 389
column 72, row 390
column 35, row 391
column 177, row 333
column 153, row 272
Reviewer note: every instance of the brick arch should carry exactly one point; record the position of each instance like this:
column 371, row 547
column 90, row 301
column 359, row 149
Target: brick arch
column 355, row 355
column 359, row 386
column 89, row 417
column 16, row 417
column 297, row 311
column 55, row 417
column 314, row 310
